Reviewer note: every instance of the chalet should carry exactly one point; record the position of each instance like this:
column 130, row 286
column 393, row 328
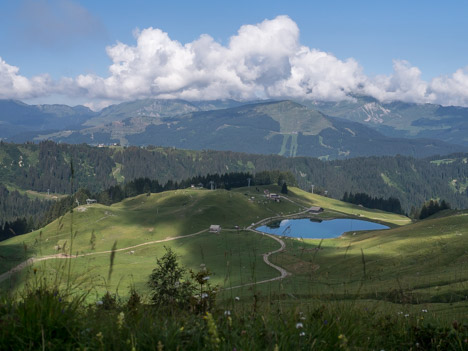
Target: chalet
column 91, row 201
column 315, row 209
column 215, row 228
column 274, row 197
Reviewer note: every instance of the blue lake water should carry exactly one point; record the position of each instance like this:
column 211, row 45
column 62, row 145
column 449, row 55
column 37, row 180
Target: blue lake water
column 314, row 229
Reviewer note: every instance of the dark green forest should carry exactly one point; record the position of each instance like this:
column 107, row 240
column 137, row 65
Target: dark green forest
column 46, row 167
column 19, row 213
column 391, row 204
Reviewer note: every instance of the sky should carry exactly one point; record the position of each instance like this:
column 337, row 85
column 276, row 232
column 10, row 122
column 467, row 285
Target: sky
column 101, row 52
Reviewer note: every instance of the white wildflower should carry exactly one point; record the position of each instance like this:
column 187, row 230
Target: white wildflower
column 299, row 325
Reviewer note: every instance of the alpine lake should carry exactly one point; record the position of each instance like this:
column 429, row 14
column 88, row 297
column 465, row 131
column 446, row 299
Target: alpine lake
column 308, row 228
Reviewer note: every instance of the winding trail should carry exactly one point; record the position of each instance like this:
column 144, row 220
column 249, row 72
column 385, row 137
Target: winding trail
column 32, row 260
column 266, row 256
column 283, row 272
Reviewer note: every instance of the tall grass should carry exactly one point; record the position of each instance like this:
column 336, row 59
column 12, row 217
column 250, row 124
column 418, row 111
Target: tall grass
column 308, row 311
column 47, row 319
column 46, row 316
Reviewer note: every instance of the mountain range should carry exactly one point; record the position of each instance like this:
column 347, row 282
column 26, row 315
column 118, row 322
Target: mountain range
column 402, row 119
column 359, row 127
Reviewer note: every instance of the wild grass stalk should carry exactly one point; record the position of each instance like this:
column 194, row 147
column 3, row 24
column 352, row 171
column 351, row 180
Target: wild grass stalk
column 72, row 176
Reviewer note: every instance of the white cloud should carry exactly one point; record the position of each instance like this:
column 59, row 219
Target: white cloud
column 15, row 86
column 451, row 90
column 256, row 58
column 265, row 60
column 405, row 84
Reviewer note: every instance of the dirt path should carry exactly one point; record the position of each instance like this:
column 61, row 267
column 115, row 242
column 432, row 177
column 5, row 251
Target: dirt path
column 266, row 256
column 32, row 260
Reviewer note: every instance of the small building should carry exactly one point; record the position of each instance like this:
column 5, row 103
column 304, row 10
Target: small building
column 91, row 201
column 274, row 197
column 215, row 228
column 315, row 209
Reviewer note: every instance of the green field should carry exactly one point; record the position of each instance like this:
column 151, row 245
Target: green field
column 234, row 257
column 411, row 264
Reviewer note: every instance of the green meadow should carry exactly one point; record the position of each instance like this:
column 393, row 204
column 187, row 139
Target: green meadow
column 410, row 264
column 401, row 288
column 144, row 221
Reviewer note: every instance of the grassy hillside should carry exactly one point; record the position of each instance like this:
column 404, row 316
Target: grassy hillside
column 234, row 256
column 406, row 267
column 422, row 265
column 152, row 218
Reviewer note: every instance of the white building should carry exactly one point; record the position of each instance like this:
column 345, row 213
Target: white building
column 215, row 228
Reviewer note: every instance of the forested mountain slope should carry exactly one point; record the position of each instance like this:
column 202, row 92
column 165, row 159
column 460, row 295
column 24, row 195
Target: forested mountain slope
column 401, row 119
column 279, row 127
column 46, row 166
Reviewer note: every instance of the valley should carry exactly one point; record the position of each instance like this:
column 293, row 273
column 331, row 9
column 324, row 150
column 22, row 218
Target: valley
column 420, row 264
column 242, row 176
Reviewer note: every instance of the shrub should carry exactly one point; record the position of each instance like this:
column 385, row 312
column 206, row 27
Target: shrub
column 169, row 284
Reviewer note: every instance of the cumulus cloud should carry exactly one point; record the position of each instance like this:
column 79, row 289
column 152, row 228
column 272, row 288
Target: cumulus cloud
column 262, row 61
column 255, row 59
column 265, row 60
column 15, row 86
column 451, row 90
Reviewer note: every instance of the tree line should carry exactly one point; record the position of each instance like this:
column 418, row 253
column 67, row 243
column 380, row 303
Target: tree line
column 432, row 207
column 119, row 192
column 46, row 166
column 19, row 214
column 391, row 204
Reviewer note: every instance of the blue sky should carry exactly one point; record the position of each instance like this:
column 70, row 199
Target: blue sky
column 408, row 50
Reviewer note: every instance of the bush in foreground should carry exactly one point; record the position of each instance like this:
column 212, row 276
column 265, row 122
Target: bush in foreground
column 46, row 319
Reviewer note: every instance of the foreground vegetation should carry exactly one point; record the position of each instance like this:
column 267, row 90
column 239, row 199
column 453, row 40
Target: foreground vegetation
column 47, row 319
column 403, row 288
column 140, row 226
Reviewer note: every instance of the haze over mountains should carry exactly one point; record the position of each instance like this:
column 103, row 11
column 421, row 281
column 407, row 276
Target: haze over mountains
column 359, row 127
